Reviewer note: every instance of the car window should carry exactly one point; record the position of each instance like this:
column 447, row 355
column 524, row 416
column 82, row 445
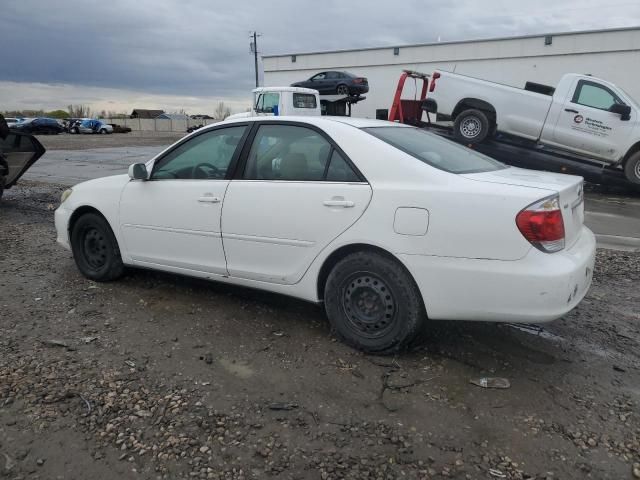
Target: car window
column 333, row 75
column 287, row 152
column 339, row 170
column 593, row 95
column 434, row 150
column 205, row 156
column 319, row 76
column 304, row 100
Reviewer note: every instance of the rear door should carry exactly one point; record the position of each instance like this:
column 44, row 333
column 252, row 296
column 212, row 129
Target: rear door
column 296, row 193
column 585, row 124
column 20, row 151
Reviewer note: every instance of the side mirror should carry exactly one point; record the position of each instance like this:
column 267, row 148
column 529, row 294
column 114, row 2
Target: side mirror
column 138, row 171
column 623, row 110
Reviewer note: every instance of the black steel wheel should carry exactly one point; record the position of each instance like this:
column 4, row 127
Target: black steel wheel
column 95, row 248
column 373, row 304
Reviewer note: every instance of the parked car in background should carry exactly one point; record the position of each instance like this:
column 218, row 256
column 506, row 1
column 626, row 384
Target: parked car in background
column 40, row 125
column 93, row 126
column 12, row 121
column 341, row 83
column 119, row 128
column 388, row 225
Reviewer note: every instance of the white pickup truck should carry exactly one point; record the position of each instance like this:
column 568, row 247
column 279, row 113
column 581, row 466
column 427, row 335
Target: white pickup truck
column 283, row 101
column 582, row 115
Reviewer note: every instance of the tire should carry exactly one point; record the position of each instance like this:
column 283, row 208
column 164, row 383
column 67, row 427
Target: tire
column 632, row 168
column 471, row 126
column 373, row 304
column 95, row 249
column 102, row 131
column 74, row 131
column 342, row 90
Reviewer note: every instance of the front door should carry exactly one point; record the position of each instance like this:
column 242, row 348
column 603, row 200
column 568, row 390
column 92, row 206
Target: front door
column 585, row 124
column 298, row 192
column 173, row 219
column 19, row 151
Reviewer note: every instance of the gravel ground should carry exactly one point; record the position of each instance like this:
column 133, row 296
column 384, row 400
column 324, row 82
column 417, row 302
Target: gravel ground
column 159, row 376
column 66, row 141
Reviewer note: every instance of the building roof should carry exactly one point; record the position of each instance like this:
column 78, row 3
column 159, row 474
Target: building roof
column 174, row 116
column 473, row 40
column 144, row 113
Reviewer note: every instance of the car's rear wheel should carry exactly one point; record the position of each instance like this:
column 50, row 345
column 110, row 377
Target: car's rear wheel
column 342, row 90
column 103, row 131
column 471, row 126
column 95, row 248
column 373, row 304
column 632, row 168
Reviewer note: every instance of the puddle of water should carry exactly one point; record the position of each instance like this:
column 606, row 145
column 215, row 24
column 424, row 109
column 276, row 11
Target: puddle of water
column 238, row 369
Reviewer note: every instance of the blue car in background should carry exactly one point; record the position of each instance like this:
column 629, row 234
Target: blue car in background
column 92, row 126
column 40, row 125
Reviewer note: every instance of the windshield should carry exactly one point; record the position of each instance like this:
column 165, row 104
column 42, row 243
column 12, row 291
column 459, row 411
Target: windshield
column 434, row 150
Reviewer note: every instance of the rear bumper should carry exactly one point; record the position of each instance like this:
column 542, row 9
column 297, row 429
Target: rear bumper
column 358, row 89
column 537, row 288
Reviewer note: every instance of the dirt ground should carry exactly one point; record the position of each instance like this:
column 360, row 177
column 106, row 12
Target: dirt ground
column 65, row 141
column 159, row 376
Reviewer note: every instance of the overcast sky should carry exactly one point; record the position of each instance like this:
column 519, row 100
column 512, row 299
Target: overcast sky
column 190, row 54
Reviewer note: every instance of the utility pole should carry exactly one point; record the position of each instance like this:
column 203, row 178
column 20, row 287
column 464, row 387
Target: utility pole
column 254, row 50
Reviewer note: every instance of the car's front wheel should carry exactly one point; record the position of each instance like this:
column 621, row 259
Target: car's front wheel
column 95, row 248
column 373, row 304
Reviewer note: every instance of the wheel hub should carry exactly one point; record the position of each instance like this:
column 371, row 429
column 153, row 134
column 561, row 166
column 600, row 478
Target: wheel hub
column 470, row 127
column 95, row 248
column 369, row 305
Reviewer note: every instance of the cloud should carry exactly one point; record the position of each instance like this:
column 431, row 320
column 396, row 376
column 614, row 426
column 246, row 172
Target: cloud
column 199, row 49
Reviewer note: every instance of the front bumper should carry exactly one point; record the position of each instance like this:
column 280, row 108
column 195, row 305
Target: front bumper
column 61, row 217
column 537, row 288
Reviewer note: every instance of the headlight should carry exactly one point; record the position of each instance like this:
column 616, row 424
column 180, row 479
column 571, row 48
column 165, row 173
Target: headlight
column 66, row 194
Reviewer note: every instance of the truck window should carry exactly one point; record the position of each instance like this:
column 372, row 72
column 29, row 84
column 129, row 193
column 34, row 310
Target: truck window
column 434, row 150
column 304, row 100
column 593, row 95
column 266, row 102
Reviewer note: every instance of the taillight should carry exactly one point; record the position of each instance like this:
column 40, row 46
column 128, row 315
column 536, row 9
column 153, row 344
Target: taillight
column 542, row 225
column 434, row 77
column 359, row 80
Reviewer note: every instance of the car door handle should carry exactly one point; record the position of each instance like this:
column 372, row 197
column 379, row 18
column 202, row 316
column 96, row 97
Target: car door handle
column 570, row 110
column 339, row 203
column 209, row 199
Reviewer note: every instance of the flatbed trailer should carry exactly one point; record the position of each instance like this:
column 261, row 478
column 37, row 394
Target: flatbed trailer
column 522, row 154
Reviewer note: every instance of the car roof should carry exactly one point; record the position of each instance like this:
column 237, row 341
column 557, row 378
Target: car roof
column 319, row 121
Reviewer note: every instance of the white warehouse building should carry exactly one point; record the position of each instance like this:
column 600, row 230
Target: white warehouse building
column 612, row 55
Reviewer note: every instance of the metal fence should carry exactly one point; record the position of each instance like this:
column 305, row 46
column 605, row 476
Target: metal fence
column 158, row 124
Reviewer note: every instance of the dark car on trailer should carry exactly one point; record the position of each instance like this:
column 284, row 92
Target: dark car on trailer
column 333, row 82
column 18, row 151
column 40, row 125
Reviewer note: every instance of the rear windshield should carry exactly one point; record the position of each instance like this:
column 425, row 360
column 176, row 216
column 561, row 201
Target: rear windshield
column 304, row 100
column 434, row 150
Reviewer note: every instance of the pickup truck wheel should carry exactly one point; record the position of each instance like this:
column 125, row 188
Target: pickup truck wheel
column 632, row 168
column 373, row 304
column 471, row 126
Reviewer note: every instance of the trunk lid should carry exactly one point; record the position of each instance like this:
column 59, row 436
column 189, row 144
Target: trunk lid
column 568, row 187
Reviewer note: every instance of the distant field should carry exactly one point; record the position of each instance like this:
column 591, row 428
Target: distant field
column 81, row 142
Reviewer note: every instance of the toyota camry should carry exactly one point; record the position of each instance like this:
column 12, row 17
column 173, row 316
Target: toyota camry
column 387, row 225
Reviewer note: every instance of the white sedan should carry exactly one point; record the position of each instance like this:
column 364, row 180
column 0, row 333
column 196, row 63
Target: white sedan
column 388, row 225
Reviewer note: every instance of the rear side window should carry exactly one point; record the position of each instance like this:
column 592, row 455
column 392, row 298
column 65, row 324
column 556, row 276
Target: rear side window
column 339, row 170
column 304, row 100
column 434, row 150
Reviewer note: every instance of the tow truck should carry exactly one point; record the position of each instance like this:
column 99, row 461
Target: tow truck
column 505, row 148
